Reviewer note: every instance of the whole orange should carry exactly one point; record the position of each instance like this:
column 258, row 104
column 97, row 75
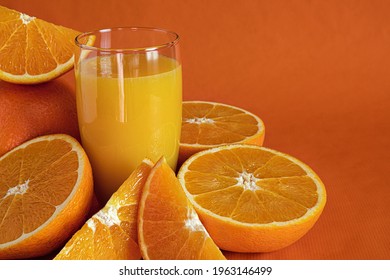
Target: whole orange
column 29, row 111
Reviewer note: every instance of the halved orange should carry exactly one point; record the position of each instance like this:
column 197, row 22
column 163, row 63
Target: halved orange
column 46, row 191
column 112, row 232
column 32, row 50
column 207, row 125
column 252, row 199
column 168, row 226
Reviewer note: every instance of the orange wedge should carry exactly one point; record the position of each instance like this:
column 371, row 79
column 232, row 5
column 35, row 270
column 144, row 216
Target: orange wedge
column 207, row 125
column 45, row 194
column 32, row 50
column 168, row 226
column 252, row 199
column 111, row 234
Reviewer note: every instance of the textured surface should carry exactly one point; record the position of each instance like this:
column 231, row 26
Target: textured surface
column 316, row 72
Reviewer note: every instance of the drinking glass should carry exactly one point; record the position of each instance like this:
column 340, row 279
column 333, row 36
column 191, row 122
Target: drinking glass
column 129, row 94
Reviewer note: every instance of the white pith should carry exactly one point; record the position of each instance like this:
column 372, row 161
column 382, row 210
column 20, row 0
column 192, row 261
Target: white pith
column 192, row 222
column 248, row 181
column 19, row 189
column 199, row 120
column 26, row 19
column 108, row 216
column 91, row 224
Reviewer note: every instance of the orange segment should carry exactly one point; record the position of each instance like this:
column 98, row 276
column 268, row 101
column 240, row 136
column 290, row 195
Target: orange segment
column 45, row 193
column 168, row 226
column 112, row 232
column 209, row 124
column 268, row 197
column 32, row 50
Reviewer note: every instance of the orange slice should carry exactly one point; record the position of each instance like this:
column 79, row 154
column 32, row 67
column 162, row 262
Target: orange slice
column 45, row 193
column 207, row 125
column 168, row 226
column 111, row 234
column 252, row 199
column 32, row 50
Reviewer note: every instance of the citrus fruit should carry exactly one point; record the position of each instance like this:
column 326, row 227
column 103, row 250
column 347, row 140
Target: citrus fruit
column 45, row 193
column 27, row 112
column 252, row 199
column 32, row 50
column 168, row 226
column 207, row 125
column 112, row 232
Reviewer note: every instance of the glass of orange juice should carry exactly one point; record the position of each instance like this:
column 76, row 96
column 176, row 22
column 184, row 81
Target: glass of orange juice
column 129, row 94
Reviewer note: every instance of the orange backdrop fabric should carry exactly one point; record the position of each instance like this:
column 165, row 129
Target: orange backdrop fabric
column 316, row 72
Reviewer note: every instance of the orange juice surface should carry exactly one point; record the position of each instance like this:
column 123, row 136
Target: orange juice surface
column 129, row 108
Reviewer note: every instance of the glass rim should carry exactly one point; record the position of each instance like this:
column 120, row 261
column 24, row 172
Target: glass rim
column 168, row 44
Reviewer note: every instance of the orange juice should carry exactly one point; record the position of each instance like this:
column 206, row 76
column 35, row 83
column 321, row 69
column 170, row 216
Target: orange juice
column 129, row 108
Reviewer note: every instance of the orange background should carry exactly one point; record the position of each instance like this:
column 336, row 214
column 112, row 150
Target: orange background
column 316, row 72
